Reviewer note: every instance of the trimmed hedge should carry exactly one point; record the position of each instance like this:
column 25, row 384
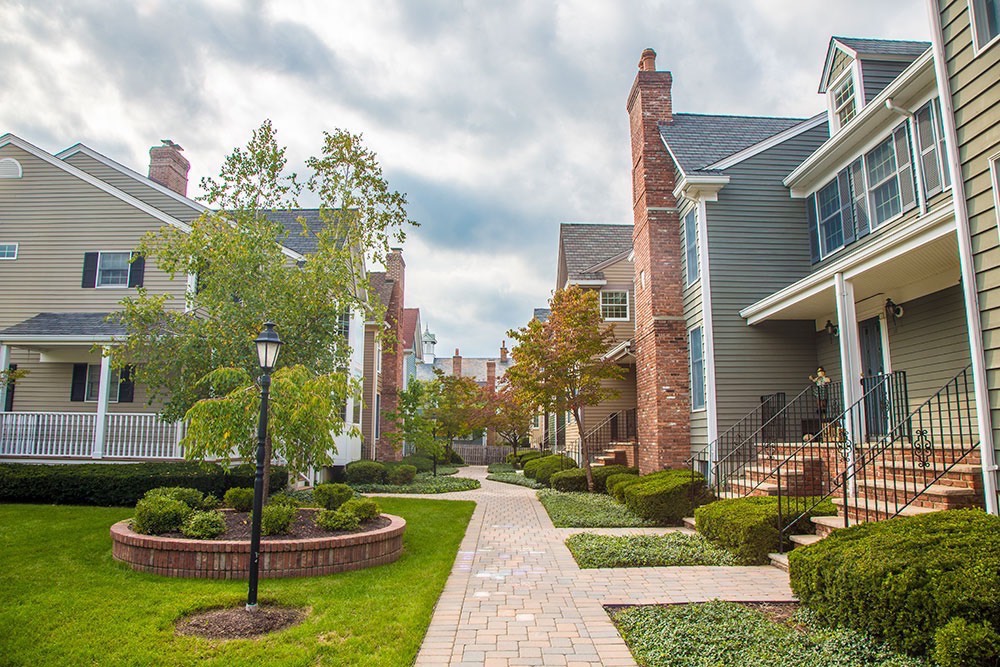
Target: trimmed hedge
column 523, row 456
column 123, row 484
column 159, row 514
column 401, row 474
column 277, row 519
column 667, row 496
column 903, row 580
column 541, row 469
column 365, row 472
column 574, row 479
column 332, row 496
column 419, row 461
column 616, row 485
column 239, row 498
column 204, row 525
column 602, row 473
column 748, row 527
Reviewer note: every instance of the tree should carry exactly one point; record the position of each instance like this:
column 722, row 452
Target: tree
column 460, row 409
column 560, row 363
column 414, row 419
column 245, row 276
column 510, row 414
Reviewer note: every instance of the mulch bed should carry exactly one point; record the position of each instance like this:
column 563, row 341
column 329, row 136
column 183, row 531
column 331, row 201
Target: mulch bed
column 239, row 623
column 238, row 528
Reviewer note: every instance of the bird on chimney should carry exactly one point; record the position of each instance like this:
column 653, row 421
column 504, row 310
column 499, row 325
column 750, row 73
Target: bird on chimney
column 169, row 143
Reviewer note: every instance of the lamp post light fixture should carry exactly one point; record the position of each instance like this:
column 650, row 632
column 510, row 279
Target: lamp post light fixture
column 268, row 345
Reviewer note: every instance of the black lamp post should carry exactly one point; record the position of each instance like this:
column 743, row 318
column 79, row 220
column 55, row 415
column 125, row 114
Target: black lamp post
column 268, row 346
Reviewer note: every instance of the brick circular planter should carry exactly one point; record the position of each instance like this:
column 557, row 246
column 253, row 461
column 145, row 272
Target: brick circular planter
column 230, row 559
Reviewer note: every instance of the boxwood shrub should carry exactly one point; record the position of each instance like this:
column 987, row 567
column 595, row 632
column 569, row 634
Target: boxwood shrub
column 204, row 525
column 748, row 527
column 240, row 499
column 193, row 498
column 119, row 484
column 401, row 474
column 904, row 579
column 365, row 509
column 421, row 462
column 667, row 496
column 159, row 514
column 332, row 496
column 617, row 483
column 523, row 456
column 574, row 479
column 277, row 519
column 541, row 469
column 365, row 472
column 336, row 520
column 602, row 473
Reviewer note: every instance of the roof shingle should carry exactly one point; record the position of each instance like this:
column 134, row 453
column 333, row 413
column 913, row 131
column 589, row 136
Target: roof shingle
column 585, row 246
column 699, row 140
column 84, row 325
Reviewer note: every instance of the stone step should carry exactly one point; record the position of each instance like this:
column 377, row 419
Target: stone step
column 935, row 496
column 878, row 511
column 827, row 524
column 960, row 475
column 779, row 561
column 804, row 540
column 689, row 522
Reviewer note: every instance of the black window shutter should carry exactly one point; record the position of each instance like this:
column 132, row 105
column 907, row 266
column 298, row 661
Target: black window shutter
column 846, row 207
column 859, row 196
column 907, row 189
column 89, row 269
column 136, row 270
column 813, row 231
column 78, row 389
column 9, row 403
column 126, row 389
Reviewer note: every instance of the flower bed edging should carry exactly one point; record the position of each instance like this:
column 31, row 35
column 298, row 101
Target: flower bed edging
column 230, row 559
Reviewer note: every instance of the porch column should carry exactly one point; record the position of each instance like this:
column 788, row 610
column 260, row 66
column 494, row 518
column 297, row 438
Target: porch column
column 4, row 365
column 102, row 405
column 850, row 349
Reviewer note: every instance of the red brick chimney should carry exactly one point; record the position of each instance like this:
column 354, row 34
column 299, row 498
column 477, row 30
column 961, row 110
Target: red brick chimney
column 456, row 364
column 395, row 267
column 662, row 382
column 503, row 352
column 168, row 167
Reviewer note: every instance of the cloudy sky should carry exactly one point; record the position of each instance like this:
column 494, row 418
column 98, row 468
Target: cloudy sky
column 498, row 119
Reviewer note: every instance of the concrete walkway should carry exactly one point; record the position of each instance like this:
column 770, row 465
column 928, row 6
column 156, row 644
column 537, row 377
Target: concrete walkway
column 517, row 597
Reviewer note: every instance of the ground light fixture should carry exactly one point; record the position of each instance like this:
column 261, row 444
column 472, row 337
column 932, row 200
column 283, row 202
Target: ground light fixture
column 268, row 346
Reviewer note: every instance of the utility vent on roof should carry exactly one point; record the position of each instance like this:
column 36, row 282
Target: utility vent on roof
column 10, row 168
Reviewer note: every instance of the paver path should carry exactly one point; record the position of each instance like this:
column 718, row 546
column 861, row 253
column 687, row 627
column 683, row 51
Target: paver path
column 516, row 596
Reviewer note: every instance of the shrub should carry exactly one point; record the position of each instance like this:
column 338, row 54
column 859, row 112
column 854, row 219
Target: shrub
column 901, row 580
column 204, row 525
column 284, row 498
column 421, row 462
column 748, row 527
column 541, row 469
column 159, row 514
column 240, row 499
column 523, row 456
column 365, row 509
column 193, row 498
column 210, row 502
column 574, row 479
column 495, row 468
column 277, row 519
column 455, row 458
column 120, row 484
column 365, row 472
column 336, row 520
column 962, row 644
column 616, row 484
column 332, row 496
column 602, row 473
column 667, row 496
column 402, row 474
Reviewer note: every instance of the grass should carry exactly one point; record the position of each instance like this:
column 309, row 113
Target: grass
column 515, row 478
column 588, row 510
column 672, row 549
column 67, row 602
column 424, row 483
column 728, row 634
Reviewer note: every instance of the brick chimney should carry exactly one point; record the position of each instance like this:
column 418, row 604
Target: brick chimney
column 456, row 364
column 168, row 167
column 503, row 352
column 491, row 386
column 395, row 267
column 662, row 382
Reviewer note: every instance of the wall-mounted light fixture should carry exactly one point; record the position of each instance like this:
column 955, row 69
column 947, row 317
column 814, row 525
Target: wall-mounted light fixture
column 832, row 330
column 893, row 310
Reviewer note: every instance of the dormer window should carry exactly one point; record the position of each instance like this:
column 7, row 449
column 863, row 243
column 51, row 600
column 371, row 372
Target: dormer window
column 844, row 100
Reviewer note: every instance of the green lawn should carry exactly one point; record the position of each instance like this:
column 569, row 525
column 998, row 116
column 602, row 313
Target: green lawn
column 65, row 601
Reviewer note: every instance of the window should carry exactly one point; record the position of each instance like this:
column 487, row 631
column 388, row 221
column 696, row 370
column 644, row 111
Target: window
column 357, row 411
column 378, row 416
column 344, row 325
column 94, row 384
column 830, row 221
column 985, row 21
column 844, row 107
column 378, row 357
column 696, row 347
column 691, row 246
column 8, row 251
column 614, row 305
column 86, row 384
column 535, row 421
column 10, row 168
column 112, row 269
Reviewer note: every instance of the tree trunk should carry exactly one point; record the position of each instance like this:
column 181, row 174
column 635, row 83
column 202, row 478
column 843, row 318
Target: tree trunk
column 434, row 458
column 267, row 467
column 584, row 454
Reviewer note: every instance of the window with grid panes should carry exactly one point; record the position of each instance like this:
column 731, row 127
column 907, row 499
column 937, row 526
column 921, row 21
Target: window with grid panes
column 614, row 305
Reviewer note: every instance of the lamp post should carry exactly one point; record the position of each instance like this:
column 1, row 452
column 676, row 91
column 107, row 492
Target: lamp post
column 268, row 345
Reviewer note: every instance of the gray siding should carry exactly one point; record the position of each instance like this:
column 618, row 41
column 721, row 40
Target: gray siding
column 877, row 74
column 758, row 244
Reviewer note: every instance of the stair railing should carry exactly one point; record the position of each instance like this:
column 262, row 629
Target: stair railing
column 618, row 427
column 879, row 479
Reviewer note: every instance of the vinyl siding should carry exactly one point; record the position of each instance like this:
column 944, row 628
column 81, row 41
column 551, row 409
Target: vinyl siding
column 594, row 416
column 758, row 243
column 841, row 61
column 975, row 86
column 620, row 276
column 877, row 74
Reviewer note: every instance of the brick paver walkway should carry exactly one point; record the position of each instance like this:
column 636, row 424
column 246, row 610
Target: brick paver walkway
column 517, row 597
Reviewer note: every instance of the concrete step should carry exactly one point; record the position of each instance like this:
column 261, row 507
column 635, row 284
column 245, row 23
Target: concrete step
column 779, row 561
column 804, row 540
column 878, row 511
column 936, row 496
column 689, row 522
column 827, row 524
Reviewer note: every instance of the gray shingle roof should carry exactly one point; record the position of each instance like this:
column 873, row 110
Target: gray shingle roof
column 382, row 286
column 884, row 47
column 296, row 241
column 698, row 140
column 585, row 246
column 542, row 314
column 85, row 325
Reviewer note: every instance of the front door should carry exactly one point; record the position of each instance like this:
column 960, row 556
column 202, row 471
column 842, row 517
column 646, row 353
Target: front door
column 872, row 382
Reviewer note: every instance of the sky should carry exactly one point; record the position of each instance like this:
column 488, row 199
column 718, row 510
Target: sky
column 499, row 120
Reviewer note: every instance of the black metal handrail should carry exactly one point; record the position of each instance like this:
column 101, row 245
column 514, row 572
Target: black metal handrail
column 618, row 427
column 879, row 479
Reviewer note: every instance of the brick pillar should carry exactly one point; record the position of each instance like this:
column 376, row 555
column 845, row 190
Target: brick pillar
column 168, row 167
column 392, row 351
column 491, row 386
column 456, row 364
column 662, row 382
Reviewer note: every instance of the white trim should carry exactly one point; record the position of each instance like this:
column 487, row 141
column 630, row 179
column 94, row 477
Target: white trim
column 102, row 403
column 770, row 142
column 688, row 282
column 850, row 73
column 86, row 387
column 700, row 186
column 608, row 262
column 884, row 331
column 708, row 343
column 976, row 48
column 967, row 262
column 587, row 283
column 134, row 175
column 700, row 328
column 9, row 259
column 995, row 184
column 835, row 45
column 4, row 365
column 57, row 340
column 17, row 168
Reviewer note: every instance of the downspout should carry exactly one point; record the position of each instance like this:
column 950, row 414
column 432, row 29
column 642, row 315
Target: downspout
column 968, row 272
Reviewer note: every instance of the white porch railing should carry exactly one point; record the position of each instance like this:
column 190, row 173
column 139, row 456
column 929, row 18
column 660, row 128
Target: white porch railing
column 74, row 435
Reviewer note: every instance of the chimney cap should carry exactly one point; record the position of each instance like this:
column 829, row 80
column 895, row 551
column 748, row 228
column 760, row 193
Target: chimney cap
column 647, row 62
column 169, row 143
column 456, row 351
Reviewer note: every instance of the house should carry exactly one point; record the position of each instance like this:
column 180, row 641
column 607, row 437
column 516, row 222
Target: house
column 69, row 226
column 966, row 42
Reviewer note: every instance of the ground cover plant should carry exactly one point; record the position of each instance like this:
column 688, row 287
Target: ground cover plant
column 72, row 604
column 729, row 634
column 424, row 483
column 672, row 549
column 515, row 478
column 500, row 467
column 588, row 510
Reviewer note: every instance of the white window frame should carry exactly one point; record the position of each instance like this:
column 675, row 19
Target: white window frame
column 378, row 357
column 825, row 252
column 699, row 332
column 10, row 168
column 995, row 183
column 114, row 384
column 846, row 76
column 977, row 10
column 128, row 269
column 9, row 245
column 615, row 305
column 691, row 247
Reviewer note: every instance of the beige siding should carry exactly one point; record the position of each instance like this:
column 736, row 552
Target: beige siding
column 594, row 416
column 621, row 276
